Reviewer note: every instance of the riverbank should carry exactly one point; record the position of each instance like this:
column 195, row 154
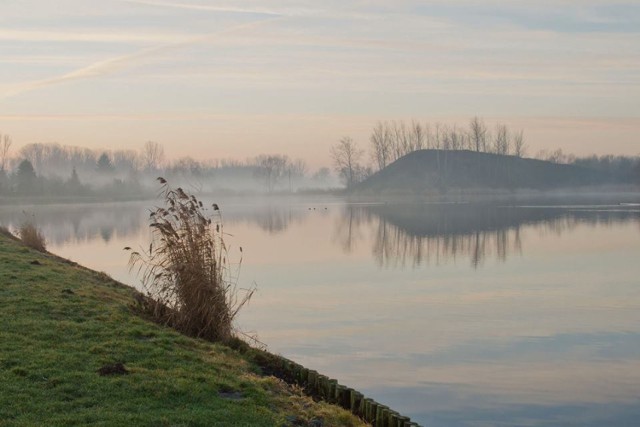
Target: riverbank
column 73, row 351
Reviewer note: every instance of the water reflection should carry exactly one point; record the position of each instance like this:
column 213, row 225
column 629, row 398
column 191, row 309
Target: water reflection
column 399, row 236
column 424, row 234
column 64, row 224
column 272, row 218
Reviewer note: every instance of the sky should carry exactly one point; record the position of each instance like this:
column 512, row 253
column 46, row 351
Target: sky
column 234, row 79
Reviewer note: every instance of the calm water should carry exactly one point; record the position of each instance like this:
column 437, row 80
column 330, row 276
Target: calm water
column 454, row 314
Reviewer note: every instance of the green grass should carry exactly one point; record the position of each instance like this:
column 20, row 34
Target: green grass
column 61, row 323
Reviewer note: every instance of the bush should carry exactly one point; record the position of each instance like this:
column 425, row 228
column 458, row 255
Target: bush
column 186, row 271
column 31, row 236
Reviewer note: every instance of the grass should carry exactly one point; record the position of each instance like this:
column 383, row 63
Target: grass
column 186, row 270
column 62, row 323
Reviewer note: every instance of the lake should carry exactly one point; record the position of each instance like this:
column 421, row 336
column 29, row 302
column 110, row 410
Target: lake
column 518, row 312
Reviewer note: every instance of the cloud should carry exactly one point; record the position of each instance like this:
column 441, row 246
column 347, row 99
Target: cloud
column 201, row 7
column 112, row 65
column 88, row 35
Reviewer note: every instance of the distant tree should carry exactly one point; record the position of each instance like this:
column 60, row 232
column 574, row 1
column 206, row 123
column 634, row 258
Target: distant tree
column 519, row 147
column 400, row 140
column 26, row 179
column 501, row 140
column 346, row 158
column 35, row 153
column 152, row 156
column 5, row 147
column 436, row 139
column 104, row 164
column 4, row 182
column 187, row 166
column 271, row 169
column 478, row 134
column 381, row 144
column 297, row 169
column 417, row 136
column 321, row 175
column 126, row 160
column 74, row 179
column 73, row 184
column 456, row 139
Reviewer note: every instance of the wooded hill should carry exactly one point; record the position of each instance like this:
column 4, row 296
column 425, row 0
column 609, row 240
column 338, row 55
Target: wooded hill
column 441, row 170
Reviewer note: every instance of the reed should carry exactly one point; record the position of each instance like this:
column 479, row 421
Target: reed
column 31, row 236
column 186, row 272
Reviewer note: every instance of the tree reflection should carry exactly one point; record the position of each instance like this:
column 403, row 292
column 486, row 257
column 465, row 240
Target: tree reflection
column 63, row 224
column 424, row 234
column 272, row 218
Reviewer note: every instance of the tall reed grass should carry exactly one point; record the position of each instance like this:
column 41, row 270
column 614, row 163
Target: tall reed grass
column 31, row 236
column 186, row 271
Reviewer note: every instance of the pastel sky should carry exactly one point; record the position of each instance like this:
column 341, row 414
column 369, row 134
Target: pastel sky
column 232, row 79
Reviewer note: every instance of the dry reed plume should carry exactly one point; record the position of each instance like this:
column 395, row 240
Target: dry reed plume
column 186, row 271
column 31, row 236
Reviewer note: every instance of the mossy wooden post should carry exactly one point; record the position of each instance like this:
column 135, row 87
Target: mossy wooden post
column 374, row 411
column 340, row 392
column 368, row 407
column 346, row 398
column 355, row 402
column 404, row 421
column 303, row 377
column 311, row 383
column 295, row 375
column 386, row 413
column 287, row 367
column 334, row 391
column 381, row 411
column 394, row 419
column 323, row 386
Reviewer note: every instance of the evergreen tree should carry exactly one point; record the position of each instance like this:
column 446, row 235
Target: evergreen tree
column 26, row 179
column 104, row 164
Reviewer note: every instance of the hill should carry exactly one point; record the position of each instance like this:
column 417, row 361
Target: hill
column 441, row 170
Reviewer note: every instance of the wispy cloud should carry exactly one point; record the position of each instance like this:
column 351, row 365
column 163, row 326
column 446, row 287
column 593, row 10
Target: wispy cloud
column 112, row 65
column 202, row 7
column 90, row 35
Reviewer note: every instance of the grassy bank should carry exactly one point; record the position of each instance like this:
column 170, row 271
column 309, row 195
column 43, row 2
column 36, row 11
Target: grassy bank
column 74, row 352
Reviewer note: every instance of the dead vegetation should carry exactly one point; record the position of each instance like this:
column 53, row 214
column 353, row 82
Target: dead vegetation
column 31, row 236
column 186, row 272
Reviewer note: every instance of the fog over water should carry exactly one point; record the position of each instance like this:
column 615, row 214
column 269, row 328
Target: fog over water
column 456, row 314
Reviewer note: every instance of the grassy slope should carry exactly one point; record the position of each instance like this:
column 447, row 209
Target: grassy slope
column 61, row 323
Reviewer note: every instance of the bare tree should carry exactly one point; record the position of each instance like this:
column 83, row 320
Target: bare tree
column 5, row 148
column 296, row 170
column 501, row 140
column 456, row 139
column 478, row 134
column 346, row 160
column 381, row 144
column 271, row 168
column 35, row 153
column 437, row 137
column 127, row 160
column 152, row 155
column 519, row 147
column 417, row 136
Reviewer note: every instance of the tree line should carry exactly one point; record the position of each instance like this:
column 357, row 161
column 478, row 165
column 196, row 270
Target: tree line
column 51, row 168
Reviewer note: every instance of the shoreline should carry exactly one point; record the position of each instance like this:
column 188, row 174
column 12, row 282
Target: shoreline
column 36, row 276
